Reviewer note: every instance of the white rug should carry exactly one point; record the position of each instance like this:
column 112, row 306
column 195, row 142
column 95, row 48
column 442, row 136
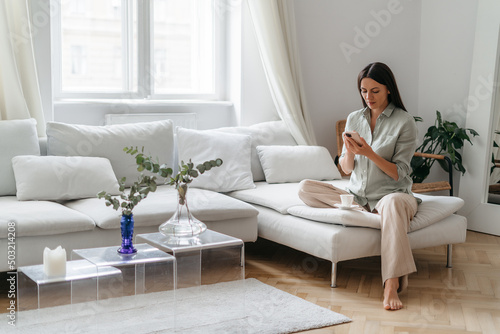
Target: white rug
column 247, row 306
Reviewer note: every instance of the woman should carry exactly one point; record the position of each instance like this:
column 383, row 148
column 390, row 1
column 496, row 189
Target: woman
column 380, row 173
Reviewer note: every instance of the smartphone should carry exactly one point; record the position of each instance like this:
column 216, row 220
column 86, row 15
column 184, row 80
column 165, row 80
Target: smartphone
column 354, row 135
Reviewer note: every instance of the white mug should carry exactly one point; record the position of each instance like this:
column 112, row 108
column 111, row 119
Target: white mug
column 347, row 199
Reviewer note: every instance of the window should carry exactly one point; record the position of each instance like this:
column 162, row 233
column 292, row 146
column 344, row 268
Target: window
column 151, row 49
column 78, row 7
column 77, row 60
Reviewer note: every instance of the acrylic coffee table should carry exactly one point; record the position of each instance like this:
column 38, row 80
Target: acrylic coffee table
column 148, row 270
column 79, row 284
column 209, row 258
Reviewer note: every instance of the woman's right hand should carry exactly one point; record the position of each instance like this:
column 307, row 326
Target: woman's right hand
column 347, row 162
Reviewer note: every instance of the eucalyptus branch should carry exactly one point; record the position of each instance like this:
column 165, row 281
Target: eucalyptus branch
column 127, row 201
column 186, row 174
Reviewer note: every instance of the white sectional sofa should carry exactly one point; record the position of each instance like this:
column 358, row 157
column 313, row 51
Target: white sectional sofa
column 74, row 222
column 257, row 185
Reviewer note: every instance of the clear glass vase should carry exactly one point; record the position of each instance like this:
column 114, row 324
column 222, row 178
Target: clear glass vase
column 182, row 224
column 127, row 229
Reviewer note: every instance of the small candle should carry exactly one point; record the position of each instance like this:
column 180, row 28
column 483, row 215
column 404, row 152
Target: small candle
column 54, row 261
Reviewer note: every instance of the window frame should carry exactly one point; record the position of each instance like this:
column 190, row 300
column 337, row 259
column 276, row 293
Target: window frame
column 145, row 59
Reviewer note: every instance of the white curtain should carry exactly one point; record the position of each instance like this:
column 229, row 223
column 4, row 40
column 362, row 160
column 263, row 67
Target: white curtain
column 274, row 24
column 19, row 91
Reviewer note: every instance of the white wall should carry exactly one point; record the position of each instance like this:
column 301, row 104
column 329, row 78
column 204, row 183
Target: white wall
column 209, row 114
column 326, row 28
column 428, row 45
column 446, row 48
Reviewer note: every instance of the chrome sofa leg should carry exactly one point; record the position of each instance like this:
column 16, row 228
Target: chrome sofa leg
column 333, row 283
column 449, row 253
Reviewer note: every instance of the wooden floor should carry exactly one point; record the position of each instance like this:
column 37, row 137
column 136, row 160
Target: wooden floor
column 464, row 299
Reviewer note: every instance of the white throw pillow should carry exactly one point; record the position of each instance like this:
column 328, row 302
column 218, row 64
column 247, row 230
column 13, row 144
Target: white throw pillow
column 108, row 141
column 62, row 178
column 233, row 149
column 17, row 137
column 296, row 163
column 266, row 133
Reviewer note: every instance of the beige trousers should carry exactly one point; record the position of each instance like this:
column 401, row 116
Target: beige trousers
column 396, row 211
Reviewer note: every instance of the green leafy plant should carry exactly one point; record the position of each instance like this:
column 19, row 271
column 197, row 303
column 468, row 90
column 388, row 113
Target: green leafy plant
column 186, row 174
column 127, row 201
column 445, row 138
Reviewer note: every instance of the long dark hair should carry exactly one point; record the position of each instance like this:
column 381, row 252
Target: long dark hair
column 382, row 74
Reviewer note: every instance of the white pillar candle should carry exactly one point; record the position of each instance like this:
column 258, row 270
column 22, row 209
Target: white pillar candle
column 54, row 261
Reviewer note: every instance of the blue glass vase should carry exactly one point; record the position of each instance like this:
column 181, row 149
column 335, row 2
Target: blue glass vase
column 127, row 227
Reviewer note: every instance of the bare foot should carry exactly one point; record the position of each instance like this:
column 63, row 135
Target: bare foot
column 391, row 298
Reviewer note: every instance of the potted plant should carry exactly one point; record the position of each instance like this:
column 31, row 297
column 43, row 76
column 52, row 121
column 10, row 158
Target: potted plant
column 443, row 137
column 182, row 223
column 126, row 202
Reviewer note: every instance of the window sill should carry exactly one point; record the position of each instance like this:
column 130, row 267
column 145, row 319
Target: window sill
column 143, row 102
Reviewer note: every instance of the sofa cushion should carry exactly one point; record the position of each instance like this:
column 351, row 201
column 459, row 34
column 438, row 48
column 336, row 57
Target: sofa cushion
column 266, row 133
column 296, row 163
column 336, row 216
column 62, row 178
column 17, row 137
column 36, row 218
column 283, row 197
column 279, row 196
column 233, row 149
column 159, row 206
column 431, row 210
column 108, row 142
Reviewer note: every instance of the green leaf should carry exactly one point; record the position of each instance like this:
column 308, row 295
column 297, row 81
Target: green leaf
column 474, row 132
column 438, row 118
column 444, row 165
column 201, row 168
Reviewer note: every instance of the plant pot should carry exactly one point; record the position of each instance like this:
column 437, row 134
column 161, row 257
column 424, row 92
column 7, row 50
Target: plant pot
column 182, row 224
column 127, row 229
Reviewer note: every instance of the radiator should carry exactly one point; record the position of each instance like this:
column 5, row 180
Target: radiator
column 185, row 120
